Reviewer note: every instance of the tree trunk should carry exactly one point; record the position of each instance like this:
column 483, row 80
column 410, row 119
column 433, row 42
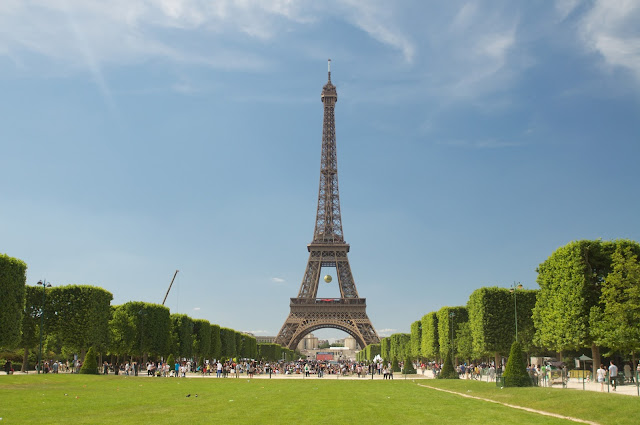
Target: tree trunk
column 145, row 357
column 595, row 355
column 83, row 353
column 25, row 360
column 497, row 360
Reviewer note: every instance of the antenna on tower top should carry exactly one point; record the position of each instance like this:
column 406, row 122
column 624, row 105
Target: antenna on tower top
column 329, row 68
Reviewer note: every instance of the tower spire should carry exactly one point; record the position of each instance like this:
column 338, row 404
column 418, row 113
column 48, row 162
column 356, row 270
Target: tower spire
column 329, row 69
column 328, row 220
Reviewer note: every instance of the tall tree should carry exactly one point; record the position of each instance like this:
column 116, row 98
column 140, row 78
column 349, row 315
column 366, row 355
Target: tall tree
column 181, row 341
column 416, row 339
column 429, row 341
column 464, row 342
column 13, row 277
column 216, row 342
column 140, row 328
column 228, row 338
column 123, row 332
column 31, row 322
column 385, row 346
column 202, row 345
column 615, row 321
column 449, row 320
column 570, row 285
column 400, row 346
column 80, row 315
column 492, row 320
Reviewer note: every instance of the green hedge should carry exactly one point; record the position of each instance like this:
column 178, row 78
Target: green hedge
column 13, row 277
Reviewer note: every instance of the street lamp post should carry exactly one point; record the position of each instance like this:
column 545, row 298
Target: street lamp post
column 514, row 288
column 451, row 316
column 45, row 285
column 142, row 314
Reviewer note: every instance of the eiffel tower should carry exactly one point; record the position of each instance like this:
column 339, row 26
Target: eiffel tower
column 328, row 249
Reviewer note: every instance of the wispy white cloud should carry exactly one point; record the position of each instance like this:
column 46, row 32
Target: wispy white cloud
column 196, row 308
column 134, row 31
column 386, row 331
column 611, row 29
column 277, row 280
column 565, row 7
column 260, row 332
column 375, row 18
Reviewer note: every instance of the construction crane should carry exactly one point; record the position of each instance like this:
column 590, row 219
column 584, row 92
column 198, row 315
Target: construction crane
column 167, row 294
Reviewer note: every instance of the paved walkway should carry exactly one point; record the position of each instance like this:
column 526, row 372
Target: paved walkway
column 574, row 384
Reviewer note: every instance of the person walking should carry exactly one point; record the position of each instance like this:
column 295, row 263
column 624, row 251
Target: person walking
column 613, row 375
column 600, row 375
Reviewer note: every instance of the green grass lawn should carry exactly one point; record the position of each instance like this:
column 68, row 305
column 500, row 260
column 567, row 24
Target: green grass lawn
column 109, row 399
column 593, row 406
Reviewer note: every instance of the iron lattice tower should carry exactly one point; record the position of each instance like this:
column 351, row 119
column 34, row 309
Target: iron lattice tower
column 328, row 249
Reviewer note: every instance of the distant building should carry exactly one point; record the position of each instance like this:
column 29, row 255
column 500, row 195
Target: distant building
column 350, row 343
column 309, row 342
column 265, row 339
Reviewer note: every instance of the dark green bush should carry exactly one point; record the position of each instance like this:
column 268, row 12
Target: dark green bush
column 90, row 364
column 515, row 372
column 448, row 371
column 408, row 368
column 394, row 365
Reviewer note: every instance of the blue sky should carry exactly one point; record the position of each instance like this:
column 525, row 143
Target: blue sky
column 474, row 138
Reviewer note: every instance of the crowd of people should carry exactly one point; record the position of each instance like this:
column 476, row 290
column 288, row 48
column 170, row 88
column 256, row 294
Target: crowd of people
column 55, row 366
column 251, row 368
column 541, row 375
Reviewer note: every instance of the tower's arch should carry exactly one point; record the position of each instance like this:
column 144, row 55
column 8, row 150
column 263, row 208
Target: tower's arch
column 303, row 331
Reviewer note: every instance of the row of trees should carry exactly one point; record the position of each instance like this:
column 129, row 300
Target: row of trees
column 589, row 298
column 275, row 352
column 75, row 318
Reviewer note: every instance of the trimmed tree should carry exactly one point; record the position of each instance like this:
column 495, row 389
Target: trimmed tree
column 416, row 339
column 492, row 322
column 394, row 365
column 429, row 340
column 13, row 277
column 181, row 336
column 385, row 346
column 615, row 321
column 202, row 344
column 122, row 332
column 448, row 371
column 228, row 338
column 465, row 342
column 515, row 371
column 571, row 281
column 400, row 345
column 216, row 342
column 449, row 320
column 408, row 368
column 79, row 315
column 30, row 322
column 140, row 328
column 90, row 363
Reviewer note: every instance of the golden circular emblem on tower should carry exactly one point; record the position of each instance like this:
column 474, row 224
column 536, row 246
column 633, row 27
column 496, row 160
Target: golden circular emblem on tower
column 328, row 278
